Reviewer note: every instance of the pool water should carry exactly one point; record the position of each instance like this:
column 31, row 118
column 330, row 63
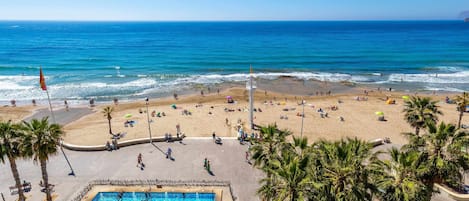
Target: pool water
column 153, row 196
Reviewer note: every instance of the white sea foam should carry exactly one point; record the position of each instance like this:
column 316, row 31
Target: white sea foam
column 450, row 89
column 239, row 77
column 460, row 77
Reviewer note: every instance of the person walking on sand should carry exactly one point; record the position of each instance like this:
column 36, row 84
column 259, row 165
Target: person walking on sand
column 66, row 105
column 247, row 156
column 205, row 163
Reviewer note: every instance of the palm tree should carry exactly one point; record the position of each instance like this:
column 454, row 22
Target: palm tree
column 273, row 140
column 444, row 145
column 398, row 177
column 418, row 110
column 107, row 111
column 264, row 152
column 10, row 139
column 342, row 173
column 289, row 178
column 462, row 102
column 41, row 141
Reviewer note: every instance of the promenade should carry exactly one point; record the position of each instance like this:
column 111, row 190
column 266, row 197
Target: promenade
column 227, row 163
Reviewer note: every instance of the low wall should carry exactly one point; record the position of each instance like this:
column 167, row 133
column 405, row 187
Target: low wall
column 455, row 195
column 120, row 144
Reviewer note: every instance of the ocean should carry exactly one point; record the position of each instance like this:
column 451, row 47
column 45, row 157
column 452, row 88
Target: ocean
column 129, row 60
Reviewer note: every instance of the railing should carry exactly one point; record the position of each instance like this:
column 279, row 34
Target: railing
column 81, row 194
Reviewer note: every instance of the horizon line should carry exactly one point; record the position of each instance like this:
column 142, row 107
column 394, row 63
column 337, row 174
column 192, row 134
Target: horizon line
column 260, row 20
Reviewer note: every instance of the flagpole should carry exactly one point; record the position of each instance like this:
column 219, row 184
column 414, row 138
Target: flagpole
column 53, row 120
column 50, row 107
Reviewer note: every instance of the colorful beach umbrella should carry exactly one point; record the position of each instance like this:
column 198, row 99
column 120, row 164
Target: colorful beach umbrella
column 228, row 97
column 128, row 115
column 379, row 113
column 405, row 97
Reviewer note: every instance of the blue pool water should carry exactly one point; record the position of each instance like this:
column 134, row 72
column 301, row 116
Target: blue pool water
column 160, row 196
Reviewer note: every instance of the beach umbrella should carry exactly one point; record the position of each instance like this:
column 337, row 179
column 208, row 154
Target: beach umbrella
column 379, row 113
column 128, row 115
column 405, row 97
column 228, row 97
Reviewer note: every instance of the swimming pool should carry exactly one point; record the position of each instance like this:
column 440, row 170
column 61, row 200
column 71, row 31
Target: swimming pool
column 153, row 196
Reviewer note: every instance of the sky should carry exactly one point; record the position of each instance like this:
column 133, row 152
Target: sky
column 229, row 10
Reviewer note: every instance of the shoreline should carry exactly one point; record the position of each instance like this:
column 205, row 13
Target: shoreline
column 209, row 113
column 282, row 85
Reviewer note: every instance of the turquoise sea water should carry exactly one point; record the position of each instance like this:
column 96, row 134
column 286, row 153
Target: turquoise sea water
column 161, row 196
column 101, row 60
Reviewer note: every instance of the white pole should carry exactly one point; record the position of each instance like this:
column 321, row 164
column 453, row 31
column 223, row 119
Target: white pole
column 148, row 120
column 251, row 102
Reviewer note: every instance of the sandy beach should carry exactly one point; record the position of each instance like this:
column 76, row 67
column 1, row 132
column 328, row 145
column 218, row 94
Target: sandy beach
column 210, row 112
column 208, row 115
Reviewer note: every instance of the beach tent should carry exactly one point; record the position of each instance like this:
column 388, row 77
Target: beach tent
column 229, row 99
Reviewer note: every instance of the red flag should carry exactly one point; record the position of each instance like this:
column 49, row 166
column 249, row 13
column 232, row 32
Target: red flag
column 42, row 81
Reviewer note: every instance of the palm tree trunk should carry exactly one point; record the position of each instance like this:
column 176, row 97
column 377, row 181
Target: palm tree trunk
column 16, row 175
column 45, row 178
column 461, row 113
column 417, row 131
column 110, row 131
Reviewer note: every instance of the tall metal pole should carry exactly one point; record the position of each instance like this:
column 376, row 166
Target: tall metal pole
column 50, row 107
column 302, row 117
column 72, row 173
column 148, row 120
column 251, row 104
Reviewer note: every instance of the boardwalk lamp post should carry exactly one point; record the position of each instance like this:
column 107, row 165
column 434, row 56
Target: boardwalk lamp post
column 148, row 119
column 302, row 116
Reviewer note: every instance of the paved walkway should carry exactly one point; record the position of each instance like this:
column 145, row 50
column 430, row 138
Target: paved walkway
column 227, row 163
column 61, row 116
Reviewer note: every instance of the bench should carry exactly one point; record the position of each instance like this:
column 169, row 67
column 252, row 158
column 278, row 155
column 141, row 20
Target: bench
column 25, row 186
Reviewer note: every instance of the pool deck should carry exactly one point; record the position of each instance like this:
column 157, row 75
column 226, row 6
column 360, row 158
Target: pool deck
column 221, row 193
column 227, row 163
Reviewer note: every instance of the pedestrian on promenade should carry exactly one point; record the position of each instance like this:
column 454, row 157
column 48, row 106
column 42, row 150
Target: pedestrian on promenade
column 205, row 163
column 168, row 153
column 139, row 159
column 208, row 166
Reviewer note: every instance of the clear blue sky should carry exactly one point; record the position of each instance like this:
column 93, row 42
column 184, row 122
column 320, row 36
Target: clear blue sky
column 167, row 10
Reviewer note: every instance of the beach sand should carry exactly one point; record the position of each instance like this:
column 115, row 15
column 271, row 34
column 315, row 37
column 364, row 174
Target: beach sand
column 16, row 114
column 360, row 118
